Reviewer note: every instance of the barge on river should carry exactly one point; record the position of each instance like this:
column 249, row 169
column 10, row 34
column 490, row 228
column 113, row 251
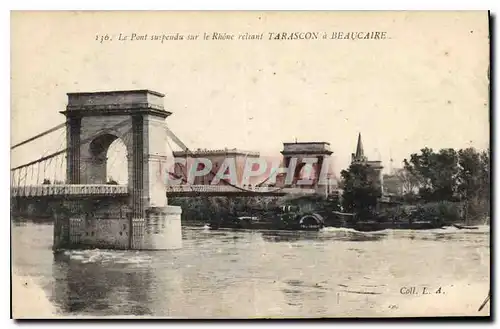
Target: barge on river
column 290, row 218
column 286, row 220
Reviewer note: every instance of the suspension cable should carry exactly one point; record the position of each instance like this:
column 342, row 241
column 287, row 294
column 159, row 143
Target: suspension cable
column 25, row 176
column 31, row 176
column 63, row 140
column 121, row 123
column 38, row 174
column 187, row 151
column 184, row 179
column 62, row 162
column 59, row 126
column 18, row 178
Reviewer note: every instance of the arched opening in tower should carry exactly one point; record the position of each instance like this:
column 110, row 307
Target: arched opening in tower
column 117, row 164
column 304, row 173
column 307, row 173
column 109, row 161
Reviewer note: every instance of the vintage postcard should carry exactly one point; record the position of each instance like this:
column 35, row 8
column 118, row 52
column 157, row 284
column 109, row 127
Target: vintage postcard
column 241, row 165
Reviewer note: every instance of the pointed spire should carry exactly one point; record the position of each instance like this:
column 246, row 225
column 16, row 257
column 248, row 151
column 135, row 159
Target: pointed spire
column 359, row 149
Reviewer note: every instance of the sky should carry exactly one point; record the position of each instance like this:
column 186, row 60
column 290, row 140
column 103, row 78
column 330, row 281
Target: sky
column 426, row 85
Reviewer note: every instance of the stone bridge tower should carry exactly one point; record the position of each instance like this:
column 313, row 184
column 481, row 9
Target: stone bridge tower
column 320, row 152
column 137, row 117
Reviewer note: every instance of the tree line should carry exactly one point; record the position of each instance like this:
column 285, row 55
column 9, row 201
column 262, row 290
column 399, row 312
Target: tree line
column 448, row 175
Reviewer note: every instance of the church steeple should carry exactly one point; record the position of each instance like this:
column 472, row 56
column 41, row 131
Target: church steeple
column 359, row 148
column 359, row 156
column 376, row 166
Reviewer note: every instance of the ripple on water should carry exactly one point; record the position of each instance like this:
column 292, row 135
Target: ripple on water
column 108, row 256
column 257, row 273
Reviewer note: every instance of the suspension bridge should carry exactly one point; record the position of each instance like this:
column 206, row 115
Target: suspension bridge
column 75, row 174
column 51, row 175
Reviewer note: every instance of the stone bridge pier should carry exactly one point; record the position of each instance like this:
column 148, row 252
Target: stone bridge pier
column 142, row 219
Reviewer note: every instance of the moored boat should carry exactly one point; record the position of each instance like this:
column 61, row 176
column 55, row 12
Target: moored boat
column 288, row 220
column 464, row 227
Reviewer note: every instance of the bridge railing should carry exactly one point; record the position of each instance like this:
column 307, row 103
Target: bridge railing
column 297, row 190
column 52, row 190
column 215, row 188
column 230, row 189
column 104, row 189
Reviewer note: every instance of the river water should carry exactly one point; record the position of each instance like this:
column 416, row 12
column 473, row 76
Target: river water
column 248, row 274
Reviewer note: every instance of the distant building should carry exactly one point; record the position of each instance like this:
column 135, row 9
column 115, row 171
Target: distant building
column 359, row 157
column 272, row 176
column 393, row 184
column 321, row 152
column 217, row 158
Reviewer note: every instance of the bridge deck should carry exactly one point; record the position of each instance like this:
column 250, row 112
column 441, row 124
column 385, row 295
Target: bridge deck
column 227, row 190
column 98, row 190
column 69, row 190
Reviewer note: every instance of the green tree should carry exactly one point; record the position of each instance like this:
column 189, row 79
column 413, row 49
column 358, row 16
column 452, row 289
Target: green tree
column 485, row 177
column 409, row 181
column 360, row 191
column 436, row 173
column 474, row 182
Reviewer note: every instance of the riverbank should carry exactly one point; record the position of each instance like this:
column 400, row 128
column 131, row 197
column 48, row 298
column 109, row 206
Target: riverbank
column 29, row 301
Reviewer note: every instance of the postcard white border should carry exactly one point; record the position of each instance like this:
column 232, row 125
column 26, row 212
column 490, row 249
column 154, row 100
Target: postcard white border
column 6, row 6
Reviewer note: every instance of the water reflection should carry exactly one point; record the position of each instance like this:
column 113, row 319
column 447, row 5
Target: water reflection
column 102, row 283
column 284, row 236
